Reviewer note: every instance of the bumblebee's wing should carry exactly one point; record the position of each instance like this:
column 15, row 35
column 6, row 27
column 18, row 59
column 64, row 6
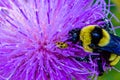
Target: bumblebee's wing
column 113, row 46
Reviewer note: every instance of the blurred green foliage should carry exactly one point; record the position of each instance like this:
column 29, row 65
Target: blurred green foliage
column 113, row 74
column 116, row 11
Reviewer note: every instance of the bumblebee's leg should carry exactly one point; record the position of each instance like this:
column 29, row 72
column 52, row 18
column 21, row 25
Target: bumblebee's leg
column 87, row 58
column 100, row 67
column 83, row 59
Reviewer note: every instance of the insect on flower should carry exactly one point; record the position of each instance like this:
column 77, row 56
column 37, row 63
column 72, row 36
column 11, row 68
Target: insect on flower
column 61, row 45
column 98, row 39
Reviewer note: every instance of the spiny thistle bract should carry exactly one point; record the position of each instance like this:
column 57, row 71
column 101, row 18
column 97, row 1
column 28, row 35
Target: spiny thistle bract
column 29, row 30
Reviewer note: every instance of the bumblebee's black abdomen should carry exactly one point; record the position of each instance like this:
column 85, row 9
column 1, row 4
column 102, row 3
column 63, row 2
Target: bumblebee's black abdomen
column 113, row 46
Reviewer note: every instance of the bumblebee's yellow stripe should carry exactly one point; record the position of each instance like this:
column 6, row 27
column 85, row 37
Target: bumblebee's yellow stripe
column 85, row 36
column 114, row 59
column 105, row 38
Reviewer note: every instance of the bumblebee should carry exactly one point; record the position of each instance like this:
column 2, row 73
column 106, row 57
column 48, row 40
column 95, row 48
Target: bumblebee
column 96, row 39
column 61, row 45
column 100, row 41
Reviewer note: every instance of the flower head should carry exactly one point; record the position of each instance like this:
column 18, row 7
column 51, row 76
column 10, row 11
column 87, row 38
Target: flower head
column 29, row 30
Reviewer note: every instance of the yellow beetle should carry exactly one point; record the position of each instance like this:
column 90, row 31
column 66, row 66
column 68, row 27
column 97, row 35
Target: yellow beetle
column 61, row 45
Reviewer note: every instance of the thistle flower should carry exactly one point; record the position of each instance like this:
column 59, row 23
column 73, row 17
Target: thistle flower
column 29, row 30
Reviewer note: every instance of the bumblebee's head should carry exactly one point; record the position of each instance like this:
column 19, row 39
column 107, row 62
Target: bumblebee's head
column 93, row 36
column 74, row 35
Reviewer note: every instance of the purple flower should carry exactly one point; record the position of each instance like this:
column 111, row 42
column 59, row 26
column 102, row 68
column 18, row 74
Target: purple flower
column 29, row 30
